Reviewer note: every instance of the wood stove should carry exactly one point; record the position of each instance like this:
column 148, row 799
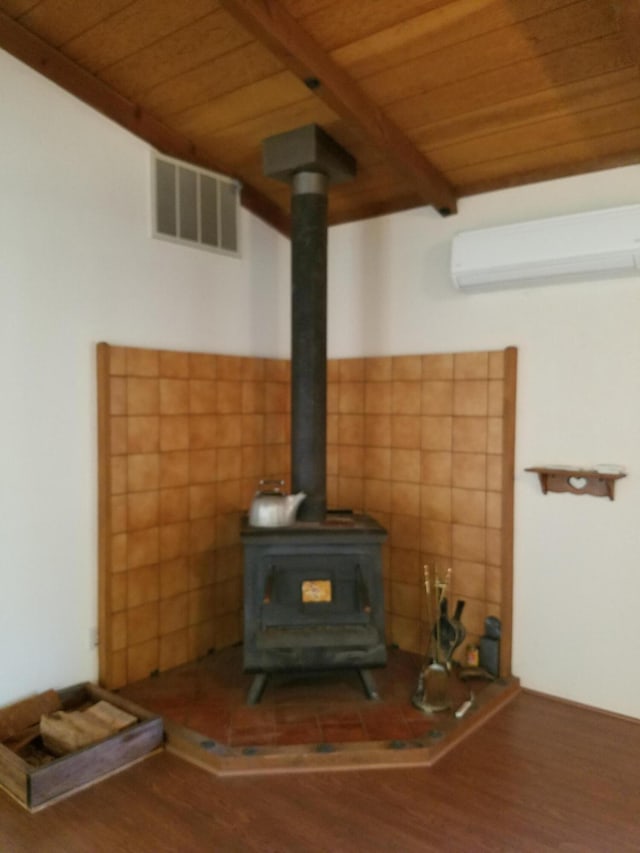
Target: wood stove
column 313, row 592
column 313, row 598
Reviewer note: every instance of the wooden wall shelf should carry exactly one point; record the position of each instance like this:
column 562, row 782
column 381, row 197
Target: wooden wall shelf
column 577, row 481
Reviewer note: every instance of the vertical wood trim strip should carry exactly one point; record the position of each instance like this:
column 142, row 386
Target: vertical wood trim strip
column 508, row 471
column 104, row 511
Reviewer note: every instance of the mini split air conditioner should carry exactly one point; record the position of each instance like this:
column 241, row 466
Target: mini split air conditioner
column 598, row 244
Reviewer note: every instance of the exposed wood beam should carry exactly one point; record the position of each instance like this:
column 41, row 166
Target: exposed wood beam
column 272, row 25
column 40, row 56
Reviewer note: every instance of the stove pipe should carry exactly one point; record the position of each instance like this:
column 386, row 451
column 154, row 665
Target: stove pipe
column 309, row 160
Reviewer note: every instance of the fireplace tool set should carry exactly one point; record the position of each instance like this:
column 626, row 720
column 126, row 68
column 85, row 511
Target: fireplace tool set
column 446, row 633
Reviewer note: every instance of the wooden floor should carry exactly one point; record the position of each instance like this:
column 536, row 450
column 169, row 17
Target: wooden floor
column 540, row 775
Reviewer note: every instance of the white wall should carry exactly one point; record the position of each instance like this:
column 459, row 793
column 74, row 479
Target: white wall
column 76, row 267
column 577, row 576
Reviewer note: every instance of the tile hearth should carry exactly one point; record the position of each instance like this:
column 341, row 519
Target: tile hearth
column 308, row 722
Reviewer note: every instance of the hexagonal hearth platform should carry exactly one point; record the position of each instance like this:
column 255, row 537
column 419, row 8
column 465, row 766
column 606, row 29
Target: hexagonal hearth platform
column 320, row 721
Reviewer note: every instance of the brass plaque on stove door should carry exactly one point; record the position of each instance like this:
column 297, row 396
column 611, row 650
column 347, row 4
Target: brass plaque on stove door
column 316, row 591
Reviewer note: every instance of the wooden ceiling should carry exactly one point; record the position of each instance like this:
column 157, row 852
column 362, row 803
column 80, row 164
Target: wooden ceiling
column 436, row 99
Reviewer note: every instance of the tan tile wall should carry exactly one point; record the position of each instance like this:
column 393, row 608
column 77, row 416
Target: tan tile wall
column 416, row 441
column 186, row 438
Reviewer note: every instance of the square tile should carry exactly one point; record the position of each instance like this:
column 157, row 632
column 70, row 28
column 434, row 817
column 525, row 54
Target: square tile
column 143, row 585
column 495, row 394
column 377, row 430
column 468, row 580
column 174, row 365
column 436, row 468
column 350, row 369
column 437, row 397
column 436, row 537
column 351, row 397
column 203, row 432
column 174, row 540
column 469, row 543
column 405, row 498
column 143, row 434
column 405, row 600
column 142, row 623
column 469, row 471
column 142, row 547
column 118, row 513
column 276, row 397
column 143, row 397
column 494, row 435
column 118, row 552
column 174, row 650
column 229, row 397
column 405, row 465
column 142, row 362
column 377, row 369
column 406, row 566
column 174, row 469
column 468, row 506
column 117, row 361
column 438, row 366
column 174, row 396
column 351, row 429
column 118, row 469
column 470, row 434
column 436, row 432
column 174, row 577
column 406, row 431
column 496, row 364
column 118, row 435
column 377, row 398
column 406, row 367
column 405, row 531
column 202, row 500
column 229, row 431
column 471, row 365
column 203, row 396
column 174, row 614
column 118, row 396
column 377, row 495
column 142, row 660
column 377, row 463
column 174, row 432
column 202, row 366
column 143, row 510
column 435, row 503
column 350, row 461
column 174, row 504
column 494, row 509
column 229, row 464
column 494, row 473
column 143, row 472
column 470, row 397
column 406, row 397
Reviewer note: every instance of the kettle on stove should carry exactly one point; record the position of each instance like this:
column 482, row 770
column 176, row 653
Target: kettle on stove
column 271, row 507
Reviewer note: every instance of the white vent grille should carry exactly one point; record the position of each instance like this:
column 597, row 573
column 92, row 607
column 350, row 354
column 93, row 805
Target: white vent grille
column 194, row 207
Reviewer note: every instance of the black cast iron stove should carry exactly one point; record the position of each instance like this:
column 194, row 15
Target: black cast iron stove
column 313, row 591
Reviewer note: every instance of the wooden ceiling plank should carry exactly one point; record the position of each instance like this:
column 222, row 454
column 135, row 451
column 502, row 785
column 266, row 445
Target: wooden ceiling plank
column 607, row 152
column 131, row 29
column 548, row 104
column 50, row 62
column 58, row 21
column 346, row 22
column 16, row 8
column 583, row 62
column 201, row 86
column 270, row 22
column 573, row 128
column 436, row 30
column 628, row 16
column 497, row 50
column 177, row 53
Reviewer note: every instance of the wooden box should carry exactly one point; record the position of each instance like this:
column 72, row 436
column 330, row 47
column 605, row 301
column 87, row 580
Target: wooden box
column 37, row 786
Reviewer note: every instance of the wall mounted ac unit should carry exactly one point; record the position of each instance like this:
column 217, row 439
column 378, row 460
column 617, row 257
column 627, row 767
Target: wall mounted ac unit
column 597, row 244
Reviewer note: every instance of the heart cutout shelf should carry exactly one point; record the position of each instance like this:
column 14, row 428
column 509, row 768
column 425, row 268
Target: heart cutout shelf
column 577, row 481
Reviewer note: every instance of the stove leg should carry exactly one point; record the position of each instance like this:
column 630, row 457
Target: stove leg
column 257, row 686
column 369, row 684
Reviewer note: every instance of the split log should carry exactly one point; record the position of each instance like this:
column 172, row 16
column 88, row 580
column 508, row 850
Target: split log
column 16, row 718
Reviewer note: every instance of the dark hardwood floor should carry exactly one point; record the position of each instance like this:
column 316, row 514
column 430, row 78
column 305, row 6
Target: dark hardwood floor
column 541, row 775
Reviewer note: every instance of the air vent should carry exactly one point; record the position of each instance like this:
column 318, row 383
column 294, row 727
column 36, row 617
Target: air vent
column 194, row 207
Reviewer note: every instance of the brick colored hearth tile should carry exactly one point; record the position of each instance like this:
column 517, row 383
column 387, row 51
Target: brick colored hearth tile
column 343, row 733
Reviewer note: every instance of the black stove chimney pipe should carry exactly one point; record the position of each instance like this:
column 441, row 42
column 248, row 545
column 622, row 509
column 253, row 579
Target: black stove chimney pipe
column 309, row 342
column 309, row 160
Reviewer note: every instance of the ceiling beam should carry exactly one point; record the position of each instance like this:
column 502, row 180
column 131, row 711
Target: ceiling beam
column 40, row 56
column 272, row 25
